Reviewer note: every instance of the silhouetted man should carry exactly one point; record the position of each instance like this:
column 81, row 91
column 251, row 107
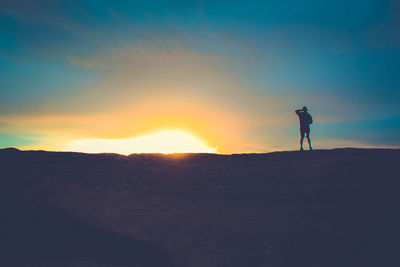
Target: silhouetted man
column 305, row 121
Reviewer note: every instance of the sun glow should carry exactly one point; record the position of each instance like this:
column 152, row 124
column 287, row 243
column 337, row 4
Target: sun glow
column 163, row 142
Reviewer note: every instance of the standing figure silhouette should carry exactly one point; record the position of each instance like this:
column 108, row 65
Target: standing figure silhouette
column 305, row 120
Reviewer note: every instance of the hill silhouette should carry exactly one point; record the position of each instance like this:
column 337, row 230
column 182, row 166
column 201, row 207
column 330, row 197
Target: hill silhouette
column 322, row 208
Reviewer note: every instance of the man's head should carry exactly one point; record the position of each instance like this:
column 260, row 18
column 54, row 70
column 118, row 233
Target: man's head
column 305, row 109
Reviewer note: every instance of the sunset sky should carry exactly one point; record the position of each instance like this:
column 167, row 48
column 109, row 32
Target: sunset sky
column 228, row 74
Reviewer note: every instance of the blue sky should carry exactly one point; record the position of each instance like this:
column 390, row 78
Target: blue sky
column 67, row 64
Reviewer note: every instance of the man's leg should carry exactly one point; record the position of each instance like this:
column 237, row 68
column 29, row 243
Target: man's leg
column 309, row 141
column 301, row 139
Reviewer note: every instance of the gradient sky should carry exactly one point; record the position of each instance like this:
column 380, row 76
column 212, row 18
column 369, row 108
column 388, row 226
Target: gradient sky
column 228, row 72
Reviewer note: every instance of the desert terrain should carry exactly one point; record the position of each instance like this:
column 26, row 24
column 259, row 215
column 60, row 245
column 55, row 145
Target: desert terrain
column 322, row 208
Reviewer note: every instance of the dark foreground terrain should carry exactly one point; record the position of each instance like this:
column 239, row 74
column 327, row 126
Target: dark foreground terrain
column 313, row 209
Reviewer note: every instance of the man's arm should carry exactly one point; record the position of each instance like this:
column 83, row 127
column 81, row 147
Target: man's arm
column 310, row 119
column 297, row 111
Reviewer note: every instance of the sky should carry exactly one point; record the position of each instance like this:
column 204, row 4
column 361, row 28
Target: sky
column 229, row 73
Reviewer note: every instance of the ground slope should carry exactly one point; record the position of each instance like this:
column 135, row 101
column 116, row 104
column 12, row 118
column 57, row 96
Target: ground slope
column 321, row 208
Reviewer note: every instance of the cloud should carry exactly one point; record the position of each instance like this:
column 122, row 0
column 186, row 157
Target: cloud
column 47, row 12
column 80, row 62
column 147, row 73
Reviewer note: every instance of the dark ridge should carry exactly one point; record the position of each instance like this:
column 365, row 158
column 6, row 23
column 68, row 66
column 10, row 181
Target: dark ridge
column 303, row 209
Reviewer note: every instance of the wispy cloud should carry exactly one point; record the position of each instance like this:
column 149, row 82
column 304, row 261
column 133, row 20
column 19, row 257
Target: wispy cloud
column 43, row 11
column 80, row 62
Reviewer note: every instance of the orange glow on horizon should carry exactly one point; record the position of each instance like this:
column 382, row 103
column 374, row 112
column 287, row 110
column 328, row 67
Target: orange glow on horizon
column 165, row 142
